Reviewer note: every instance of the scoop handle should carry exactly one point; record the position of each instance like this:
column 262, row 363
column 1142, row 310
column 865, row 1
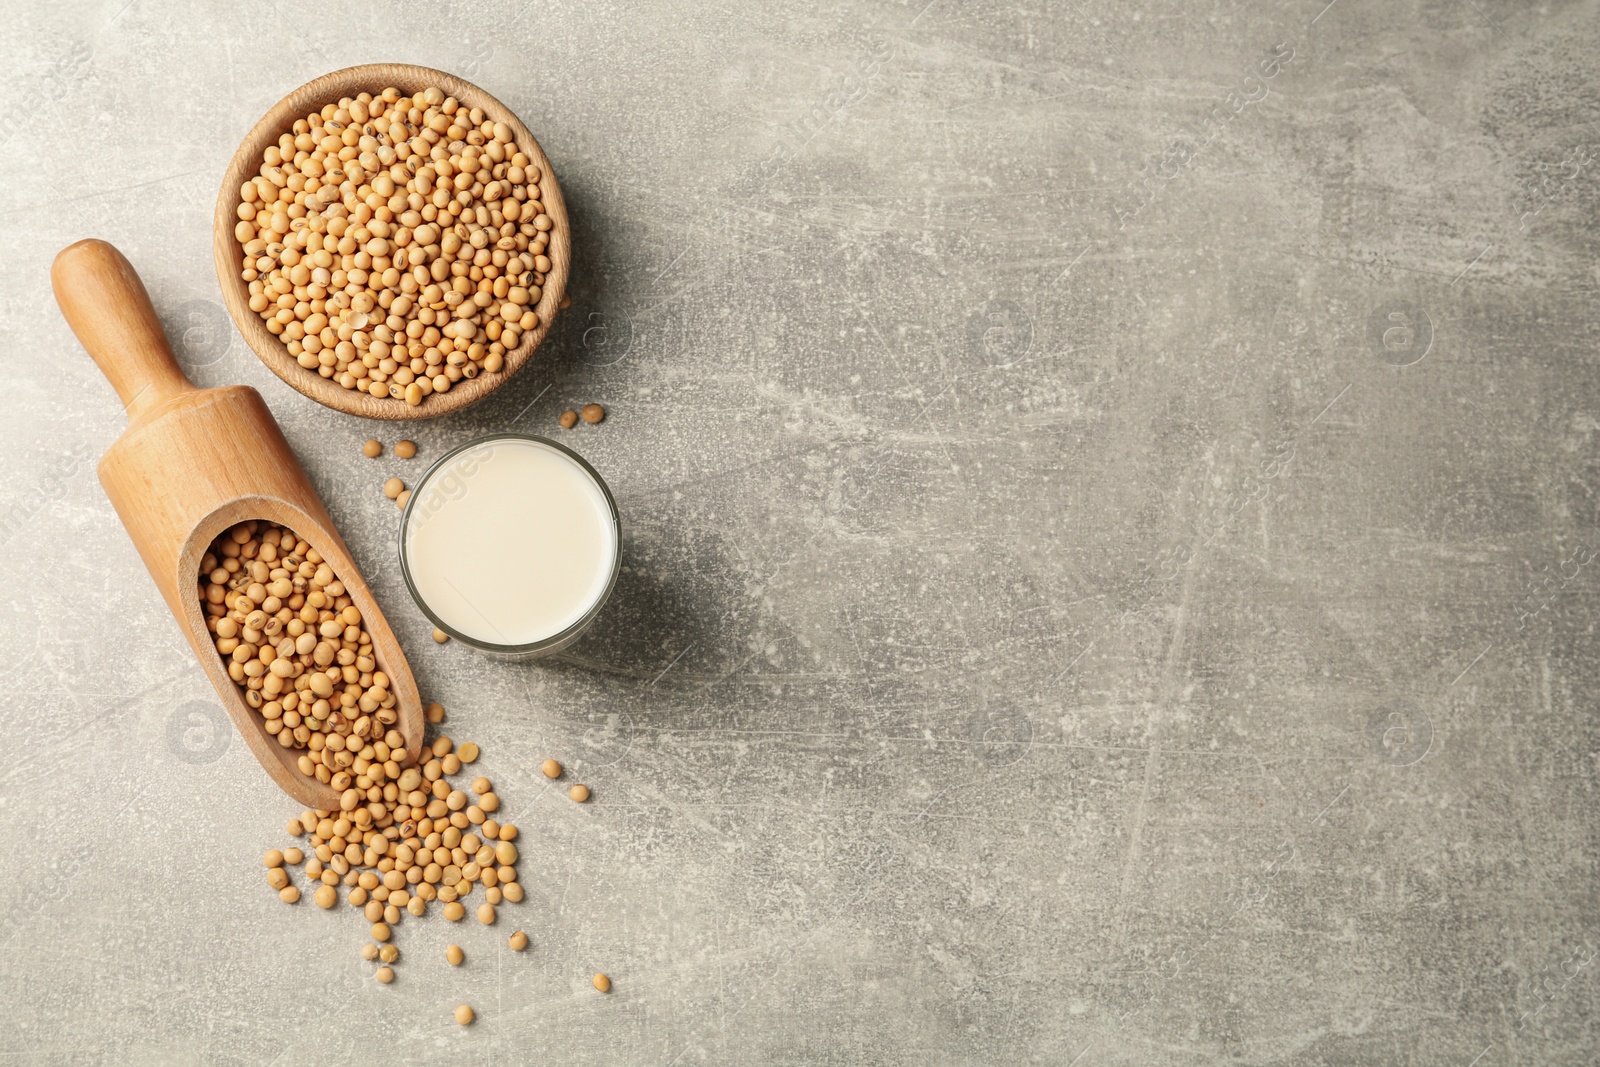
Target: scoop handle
column 105, row 303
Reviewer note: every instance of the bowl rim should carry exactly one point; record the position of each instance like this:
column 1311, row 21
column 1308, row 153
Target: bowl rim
column 545, row 645
column 227, row 250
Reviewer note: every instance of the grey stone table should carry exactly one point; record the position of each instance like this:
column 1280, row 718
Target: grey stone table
column 1111, row 548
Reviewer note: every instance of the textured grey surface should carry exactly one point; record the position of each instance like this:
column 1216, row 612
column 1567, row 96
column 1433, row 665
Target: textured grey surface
column 1063, row 621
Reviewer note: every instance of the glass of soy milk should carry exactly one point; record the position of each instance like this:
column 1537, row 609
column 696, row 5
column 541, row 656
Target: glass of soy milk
column 511, row 543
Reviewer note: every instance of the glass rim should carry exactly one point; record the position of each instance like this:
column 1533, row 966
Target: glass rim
column 567, row 634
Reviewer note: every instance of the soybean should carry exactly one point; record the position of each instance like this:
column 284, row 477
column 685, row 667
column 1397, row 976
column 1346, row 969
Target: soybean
column 397, row 246
column 454, row 954
column 402, row 836
column 405, row 449
column 294, row 642
column 464, row 1015
column 579, row 792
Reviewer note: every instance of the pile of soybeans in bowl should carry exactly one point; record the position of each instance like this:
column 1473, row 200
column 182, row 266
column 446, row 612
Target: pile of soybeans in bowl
column 395, row 243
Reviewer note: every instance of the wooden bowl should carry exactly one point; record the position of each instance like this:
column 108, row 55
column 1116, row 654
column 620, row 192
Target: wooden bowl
column 330, row 88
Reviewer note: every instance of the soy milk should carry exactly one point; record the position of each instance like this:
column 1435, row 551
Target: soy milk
column 510, row 541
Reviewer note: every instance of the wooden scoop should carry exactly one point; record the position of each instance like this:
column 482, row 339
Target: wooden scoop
column 194, row 462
